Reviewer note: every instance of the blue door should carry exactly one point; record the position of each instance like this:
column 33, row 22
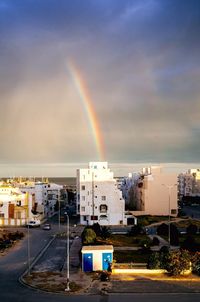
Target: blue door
column 87, row 262
column 106, row 260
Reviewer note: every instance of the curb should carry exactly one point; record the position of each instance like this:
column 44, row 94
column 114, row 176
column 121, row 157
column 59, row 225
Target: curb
column 40, row 254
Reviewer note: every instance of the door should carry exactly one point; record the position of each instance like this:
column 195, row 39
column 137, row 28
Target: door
column 106, row 261
column 87, row 262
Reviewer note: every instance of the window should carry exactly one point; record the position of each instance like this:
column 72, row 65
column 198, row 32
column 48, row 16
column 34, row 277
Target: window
column 19, row 203
column 83, row 209
column 173, row 211
column 103, row 198
column 83, row 198
column 85, row 218
column 94, row 217
column 1, row 215
column 82, row 188
column 103, row 208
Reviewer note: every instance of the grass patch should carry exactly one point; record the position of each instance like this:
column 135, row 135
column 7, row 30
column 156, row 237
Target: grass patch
column 130, row 256
column 50, row 281
column 186, row 223
column 184, row 236
column 123, row 240
column 148, row 219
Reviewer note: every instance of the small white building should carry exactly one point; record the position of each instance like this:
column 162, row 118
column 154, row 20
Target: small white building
column 97, row 258
column 98, row 197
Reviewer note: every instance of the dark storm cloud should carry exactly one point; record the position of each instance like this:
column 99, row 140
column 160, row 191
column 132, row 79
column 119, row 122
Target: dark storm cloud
column 140, row 60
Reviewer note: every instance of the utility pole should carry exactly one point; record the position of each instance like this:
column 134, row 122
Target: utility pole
column 67, row 288
column 169, row 187
column 93, row 197
column 59, row 213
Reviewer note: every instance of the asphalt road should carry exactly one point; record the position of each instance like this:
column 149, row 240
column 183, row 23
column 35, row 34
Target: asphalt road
column 14, row 263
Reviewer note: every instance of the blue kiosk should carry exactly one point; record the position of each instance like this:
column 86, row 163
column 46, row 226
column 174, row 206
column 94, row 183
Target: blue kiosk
column 96, row 258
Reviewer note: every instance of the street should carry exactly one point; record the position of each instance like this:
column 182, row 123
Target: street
column 14, row 263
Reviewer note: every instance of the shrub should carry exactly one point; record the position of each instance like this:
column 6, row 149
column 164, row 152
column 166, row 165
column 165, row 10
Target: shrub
column 88, row 236
column 178, row 262
column 145, row 246
column 164, row 255
column 155, row 241
column 196, row 263
column 154, row 261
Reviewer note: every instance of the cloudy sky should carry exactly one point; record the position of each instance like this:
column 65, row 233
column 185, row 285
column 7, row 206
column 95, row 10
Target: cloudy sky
column 140, row 60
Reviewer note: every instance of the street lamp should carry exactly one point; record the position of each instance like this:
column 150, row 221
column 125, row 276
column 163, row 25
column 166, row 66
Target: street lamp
column 59, row 214
column 169, row 187
column 67, row 288
column 28, row 248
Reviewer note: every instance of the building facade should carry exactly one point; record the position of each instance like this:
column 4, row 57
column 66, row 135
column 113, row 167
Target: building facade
column 156, row 193
column 98, row 197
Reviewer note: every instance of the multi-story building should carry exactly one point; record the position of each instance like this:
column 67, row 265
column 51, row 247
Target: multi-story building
column 45, row 196
column 156, row 193
column 27, row 200
column 98, row 197
column 14, row 206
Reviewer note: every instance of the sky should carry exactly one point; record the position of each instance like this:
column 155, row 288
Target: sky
column 140, row 64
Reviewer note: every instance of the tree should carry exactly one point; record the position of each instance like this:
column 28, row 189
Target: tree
column 105, row 232
column 97, row 228
column 163, row 229
column 135, row 230
column 174, row 235
column 88, row 236
column 178, row 262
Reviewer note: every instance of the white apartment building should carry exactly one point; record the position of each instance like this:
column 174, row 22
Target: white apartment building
column 98, row 197
column 157, row 193
column 45, row 195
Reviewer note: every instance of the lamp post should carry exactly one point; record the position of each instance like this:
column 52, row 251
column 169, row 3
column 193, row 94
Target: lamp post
column 28, row 240
column 28, row 249
column 59, row 214
column 67, row 288
column 169, row 187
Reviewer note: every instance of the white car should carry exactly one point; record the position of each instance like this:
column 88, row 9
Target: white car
column 33, row 223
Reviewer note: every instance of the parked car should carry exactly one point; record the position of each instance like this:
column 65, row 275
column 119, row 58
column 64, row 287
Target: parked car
column 33, row 223
column 46, row 226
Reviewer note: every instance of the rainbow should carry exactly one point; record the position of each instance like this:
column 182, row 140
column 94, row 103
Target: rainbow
column 88, row 108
